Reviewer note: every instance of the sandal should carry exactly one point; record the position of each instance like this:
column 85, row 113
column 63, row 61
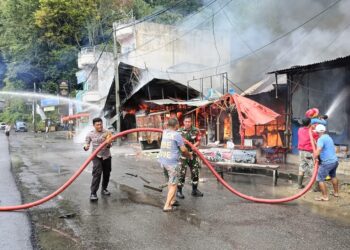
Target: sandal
column 321, row 199
column 335, row 195
column 172, row 209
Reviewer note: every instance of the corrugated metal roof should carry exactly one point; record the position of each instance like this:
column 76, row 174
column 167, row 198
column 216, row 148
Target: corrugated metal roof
column 265, row 85
column 335, row 63
column 195, row 103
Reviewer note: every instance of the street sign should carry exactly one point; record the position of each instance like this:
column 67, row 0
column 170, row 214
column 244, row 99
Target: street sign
column 49, row 102
column 49, row 108
column 64, row 88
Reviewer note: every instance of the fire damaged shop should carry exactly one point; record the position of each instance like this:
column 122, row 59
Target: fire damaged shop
column 149, row 102
column 272, row 136
column 325, row 86
column 223, row 119
column 136, row 89
column 229, row 118
column 229, row 125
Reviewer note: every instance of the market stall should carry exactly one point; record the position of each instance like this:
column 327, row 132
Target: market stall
column 233, row 127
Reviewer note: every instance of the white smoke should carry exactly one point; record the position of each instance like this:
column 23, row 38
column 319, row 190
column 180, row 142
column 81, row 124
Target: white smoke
column 231, row 36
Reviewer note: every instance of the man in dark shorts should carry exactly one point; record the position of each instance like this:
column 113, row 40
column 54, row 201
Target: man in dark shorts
column 172, row 145
column 329, row 162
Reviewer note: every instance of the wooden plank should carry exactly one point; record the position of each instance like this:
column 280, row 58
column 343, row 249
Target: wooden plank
column 273, row 168
column 245, row 165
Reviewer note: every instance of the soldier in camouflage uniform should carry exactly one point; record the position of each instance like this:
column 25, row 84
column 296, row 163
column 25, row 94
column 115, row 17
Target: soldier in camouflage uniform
column 192, row 134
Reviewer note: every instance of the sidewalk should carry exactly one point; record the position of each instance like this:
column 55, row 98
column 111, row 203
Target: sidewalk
column 15, row 230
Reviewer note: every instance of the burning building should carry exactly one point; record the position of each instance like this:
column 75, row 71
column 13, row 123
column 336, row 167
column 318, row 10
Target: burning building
column 273, row 96
column 150, row 90
column 323, row 85
column 227, row 118
column 137, row 89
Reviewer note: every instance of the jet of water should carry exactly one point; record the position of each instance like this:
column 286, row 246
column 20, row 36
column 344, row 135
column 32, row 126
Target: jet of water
column 338, row 100
column 40, row 112
column 48, row 96
column 80, row 134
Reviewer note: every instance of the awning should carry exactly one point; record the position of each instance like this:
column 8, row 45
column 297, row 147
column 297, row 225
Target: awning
column 157, row 89
column 76, row 116
column 251, row 113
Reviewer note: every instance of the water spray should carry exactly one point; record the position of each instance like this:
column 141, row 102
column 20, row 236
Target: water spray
column 48, row 96
column 93, row 109
column 200, row 155
column 339, row 99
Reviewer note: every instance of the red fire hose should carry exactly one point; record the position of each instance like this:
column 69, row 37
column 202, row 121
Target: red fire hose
column 211, row 168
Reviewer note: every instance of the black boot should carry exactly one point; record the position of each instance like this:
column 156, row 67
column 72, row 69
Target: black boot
column 300, row 182
column 196, row 192
column 179, row 193
column 316, row 187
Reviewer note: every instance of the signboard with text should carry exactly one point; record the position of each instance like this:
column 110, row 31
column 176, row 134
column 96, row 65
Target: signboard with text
column 49, row 102
column 64, row 88
column 49, row 108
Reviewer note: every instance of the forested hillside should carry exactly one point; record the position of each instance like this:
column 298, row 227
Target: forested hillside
column 40, row 39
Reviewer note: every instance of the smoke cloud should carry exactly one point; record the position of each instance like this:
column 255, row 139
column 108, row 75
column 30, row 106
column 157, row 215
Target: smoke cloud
column 232, row 36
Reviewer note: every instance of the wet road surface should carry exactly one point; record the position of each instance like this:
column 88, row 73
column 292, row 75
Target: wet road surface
column 15, row 228
column 132, row 217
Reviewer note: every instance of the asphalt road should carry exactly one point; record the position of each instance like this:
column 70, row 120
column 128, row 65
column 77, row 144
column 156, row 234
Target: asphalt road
column 132, row 217
column 15, row 228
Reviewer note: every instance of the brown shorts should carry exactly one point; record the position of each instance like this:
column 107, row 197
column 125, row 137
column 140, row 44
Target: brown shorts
column 171, row 173
column 306, row 162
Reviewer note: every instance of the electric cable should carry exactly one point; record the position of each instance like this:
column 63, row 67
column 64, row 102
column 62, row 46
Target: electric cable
column 127, row 26
column 216, row 46
column 232, row 83
column 184, row 34
column 333, row 41
column 288, row 51
column 155, row 38
column 239, row 36
column 255, row 50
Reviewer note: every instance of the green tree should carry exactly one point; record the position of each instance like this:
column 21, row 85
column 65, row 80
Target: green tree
column 62, row 21
column 40, row 39
column 18, row 41
column 18, row 33
column 184, row 8
column 141, row 9
column 14, row 85
column 180, row 10
column 16, row 109
column 50, row 87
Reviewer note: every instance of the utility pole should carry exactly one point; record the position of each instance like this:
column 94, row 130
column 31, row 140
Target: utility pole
column 116, row 80
column 34, row 109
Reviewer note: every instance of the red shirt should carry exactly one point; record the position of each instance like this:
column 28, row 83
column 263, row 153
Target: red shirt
column 304, row 142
